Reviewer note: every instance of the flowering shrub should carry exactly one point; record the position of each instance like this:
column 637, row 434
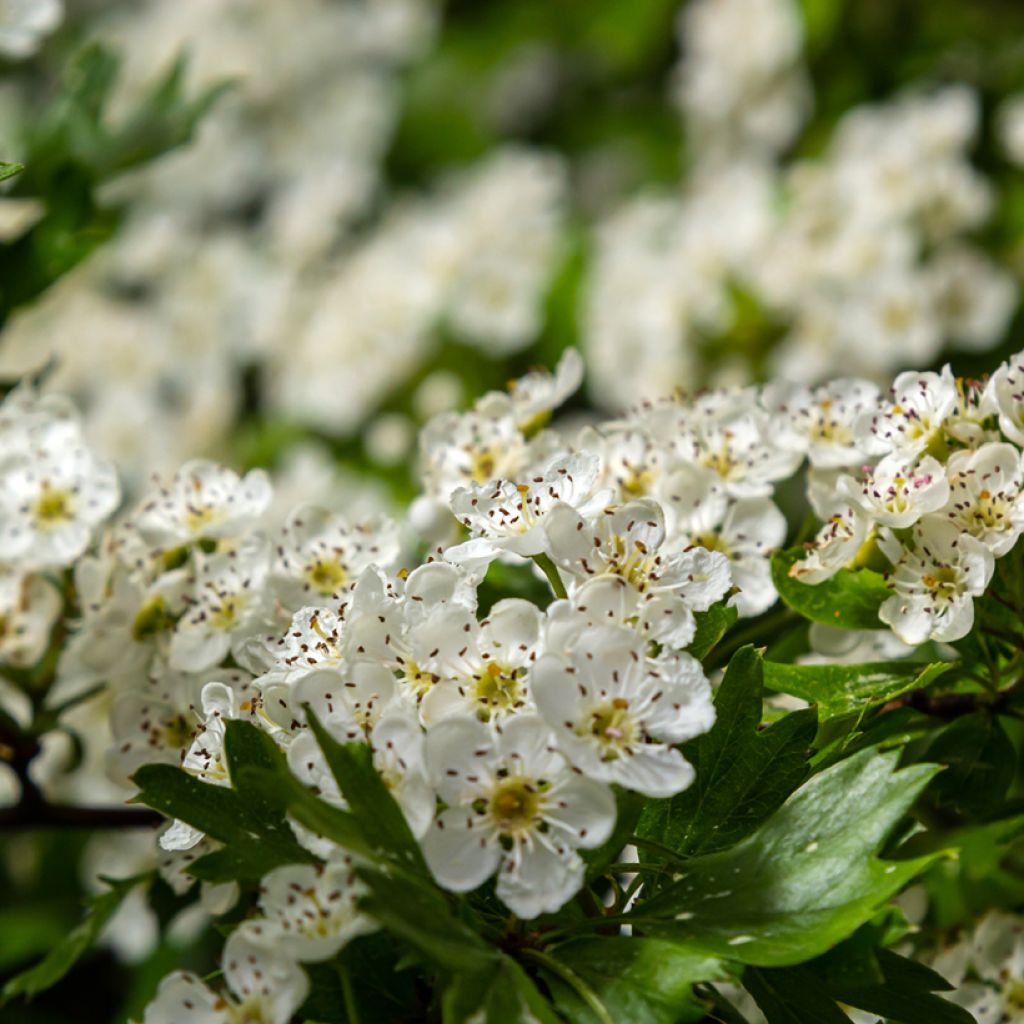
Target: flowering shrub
column 501, row 776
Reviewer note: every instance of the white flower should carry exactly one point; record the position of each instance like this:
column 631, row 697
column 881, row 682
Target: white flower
column 311, row 908
column 935, row 582
column 510, row 515
column 262, row 987
column 53, row 494
column 320, row 555
column 744, row 530
column 1006, row 390
column 348, row 699
column 914, row 417
column 614, row 559
column 616, row 715
column 835, row 546
column 228, row 603
column 480, row 668
column 986, row 498
column 822, row 422
column 29, row 606
column 898, row 491
column 203, row 500
column 512, row 806
column 534, row 395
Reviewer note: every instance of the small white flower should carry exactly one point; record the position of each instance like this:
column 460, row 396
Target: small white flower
column 510, row 514
column 52, row 496
column 203, row 500
column 835, row 546
column 915, row 415
column 935, row 582
column 321, row 555
column 616, row 714
column 262, row 986
column 29, row 606
column 25, row 23
column 512, row 806
column 616, row 556
column 228, row 604
column 312, row 908
column 986, row 498
column 898, row 492
column 822, row 422
column 479, row 668
column 1006, row 390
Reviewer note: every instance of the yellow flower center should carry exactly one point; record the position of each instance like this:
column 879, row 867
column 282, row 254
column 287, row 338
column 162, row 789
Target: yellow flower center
column 53, row 507
column 515, row 804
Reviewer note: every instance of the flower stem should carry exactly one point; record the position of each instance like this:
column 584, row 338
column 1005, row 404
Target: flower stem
column 549, row 570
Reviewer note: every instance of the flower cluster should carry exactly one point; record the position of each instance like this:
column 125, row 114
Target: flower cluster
column 935, row 501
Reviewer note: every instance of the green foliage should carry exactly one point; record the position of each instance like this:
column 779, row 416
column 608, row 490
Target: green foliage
column 712, row 625
column 807, row 878
column 62, row 957
column 850, row 599
column 71, row 149
column 644, row 981
column 840, row 690
column 743, row 774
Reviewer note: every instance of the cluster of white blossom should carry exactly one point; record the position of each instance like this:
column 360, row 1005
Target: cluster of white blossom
column 934, row 495
column 855, row 261
column 498, row 730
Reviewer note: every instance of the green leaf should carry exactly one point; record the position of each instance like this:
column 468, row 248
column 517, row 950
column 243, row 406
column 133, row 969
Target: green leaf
column 743, row 775
column 807, row 878
column 792, row 996
column 848, row 689
column 850, row 599
column 66, row 953
column 906, row 995
column 640, row 980
column 420, row 914
column 8, row 170
column 712, row 625
column 498, row 996
column 981, row 764
column 380, row 818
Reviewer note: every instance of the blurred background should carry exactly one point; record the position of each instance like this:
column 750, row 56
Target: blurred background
column 286, row 234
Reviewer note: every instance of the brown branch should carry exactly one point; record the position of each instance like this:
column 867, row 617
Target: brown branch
column 40, row 814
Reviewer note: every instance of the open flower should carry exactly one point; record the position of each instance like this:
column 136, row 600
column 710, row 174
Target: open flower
column 934, row 582
column 616, row 714
column 986, row 498
column 512, row 805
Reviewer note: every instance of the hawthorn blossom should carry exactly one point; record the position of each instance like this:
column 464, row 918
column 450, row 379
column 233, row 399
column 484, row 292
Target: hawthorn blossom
column 514, row 807
column 615, row 555
column 510, row 515
column 53, row 494
column 29, row 606
column 987, row 495
column 898, row 492
column 912, row 419
column 934, row 581
column 312, row 908
column 203, row 500
column 1006, row 389
column 262, row 986
column 616, row 716
column 320, row 555
column 835, row 546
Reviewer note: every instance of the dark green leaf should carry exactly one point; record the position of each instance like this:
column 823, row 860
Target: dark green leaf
column 906, row 995
column 501, row 994
column 807, row 878
column 849, row 599
column 981, row 764
column 712, row 625
column 792, row 995
column 65, row 954
column 421, row 914
column 848, row 689
column 643, row 981
column 381, row 819
column 743, row 774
